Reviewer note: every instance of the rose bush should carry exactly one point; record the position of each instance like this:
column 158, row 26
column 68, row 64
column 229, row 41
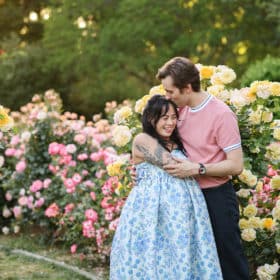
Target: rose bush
column 72, row 177
column 258, row 110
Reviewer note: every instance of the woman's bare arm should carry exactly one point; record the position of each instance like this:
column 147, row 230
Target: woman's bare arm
column 147, row 148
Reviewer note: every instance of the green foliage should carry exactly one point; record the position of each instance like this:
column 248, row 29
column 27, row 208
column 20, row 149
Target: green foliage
column 21, row 76
column 13, row 18
column 113, row 59
column 266, row 69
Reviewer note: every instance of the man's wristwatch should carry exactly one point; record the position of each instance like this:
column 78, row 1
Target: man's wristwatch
column 202, row 169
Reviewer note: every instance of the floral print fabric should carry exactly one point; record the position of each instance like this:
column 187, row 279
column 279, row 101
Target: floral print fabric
column 164, row 231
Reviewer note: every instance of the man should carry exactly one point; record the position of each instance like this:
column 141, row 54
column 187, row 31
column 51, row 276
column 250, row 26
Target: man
column 211, row 138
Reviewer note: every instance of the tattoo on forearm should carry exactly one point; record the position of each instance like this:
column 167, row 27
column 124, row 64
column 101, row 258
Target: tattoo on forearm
column 159, row 157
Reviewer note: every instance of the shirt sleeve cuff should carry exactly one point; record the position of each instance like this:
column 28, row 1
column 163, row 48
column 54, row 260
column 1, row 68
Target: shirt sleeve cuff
column 232, row 147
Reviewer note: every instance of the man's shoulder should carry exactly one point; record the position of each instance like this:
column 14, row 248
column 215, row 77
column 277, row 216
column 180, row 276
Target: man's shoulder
column 218, row 106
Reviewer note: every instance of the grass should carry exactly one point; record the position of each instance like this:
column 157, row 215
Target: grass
column 18, row 267
column 15, row 267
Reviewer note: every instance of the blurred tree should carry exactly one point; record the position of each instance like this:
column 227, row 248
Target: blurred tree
column 23, row 73
column 103, row 49
column 112, row 49
column 26, row 21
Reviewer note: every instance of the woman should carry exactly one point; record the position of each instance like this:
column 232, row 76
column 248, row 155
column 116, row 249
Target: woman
column 164, row 230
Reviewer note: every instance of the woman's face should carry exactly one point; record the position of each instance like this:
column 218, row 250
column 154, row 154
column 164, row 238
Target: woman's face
column 167, row 123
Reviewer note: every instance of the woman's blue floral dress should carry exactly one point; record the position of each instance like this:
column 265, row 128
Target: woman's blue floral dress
column 164, row 231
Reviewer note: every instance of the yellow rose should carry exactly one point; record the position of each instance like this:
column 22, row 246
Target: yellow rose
column 6, row 122
column 206, row 72
column 259, row 186
column 276, row 213
column 255, row 117
column 122, row 115
column 276, row 133
column 141, row 103
column 268, row 223
column 157, row 90
column 216, row 80
column 278, row 248
column 255, row 222
column 119, row 188
column 251, row 95
column 275, row 182
column 275, row 88
column 248, row 178
column 114, row 169
column 273, row 151
column 250, row 211
column 267, row 116
column 248, row 234
column 243, row 223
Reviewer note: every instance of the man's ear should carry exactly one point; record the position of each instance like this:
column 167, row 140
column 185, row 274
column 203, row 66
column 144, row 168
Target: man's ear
column 189, row 88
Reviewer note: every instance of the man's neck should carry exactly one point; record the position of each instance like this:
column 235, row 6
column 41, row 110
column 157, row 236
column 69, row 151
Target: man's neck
column 197, row 98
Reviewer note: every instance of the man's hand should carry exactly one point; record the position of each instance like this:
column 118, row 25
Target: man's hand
column 182, row 169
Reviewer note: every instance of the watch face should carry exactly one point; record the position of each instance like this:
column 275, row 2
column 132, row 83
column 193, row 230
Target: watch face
column 202, row 169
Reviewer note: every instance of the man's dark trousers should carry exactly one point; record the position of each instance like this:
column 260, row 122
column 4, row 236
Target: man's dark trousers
column 224, row 214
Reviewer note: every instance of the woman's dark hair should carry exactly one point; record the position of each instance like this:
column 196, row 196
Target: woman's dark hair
column 157, row 107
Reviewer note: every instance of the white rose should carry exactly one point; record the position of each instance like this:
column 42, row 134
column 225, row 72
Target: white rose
column 22, row 192
column 16, row 229
column 5, row 230
column 121, row 135
column 262, row 274
column 243, row 193
column 226, row 75
column 2, row 161
column 41, row 115
column 25, row 136
column 6, row 213
column 271, row 268
column 71, row 148
column 248, row 234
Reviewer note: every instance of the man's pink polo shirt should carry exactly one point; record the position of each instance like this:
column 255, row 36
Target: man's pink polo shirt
column 208, row 132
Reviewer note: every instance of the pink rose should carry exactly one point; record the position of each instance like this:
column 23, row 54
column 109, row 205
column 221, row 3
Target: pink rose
column 39, row 203
column 20, row 166
column 82, row 157
column 91, row 215
column 69, row 207
column 114, row 224
column 104, row 203
column 23, row 201
column 92, row 195
column 15, row 140
column 80, row 139
column 96, row 156
column 10, row 152
column 52, row 210
column 17, row 212
column 77, row 178
column 46, row 183
column 8, row 196
column 36, row 186
column 73, row 248
column 89, row 183
column 54, row 148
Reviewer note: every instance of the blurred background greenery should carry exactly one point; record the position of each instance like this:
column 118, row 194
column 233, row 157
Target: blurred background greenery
column 93, row 51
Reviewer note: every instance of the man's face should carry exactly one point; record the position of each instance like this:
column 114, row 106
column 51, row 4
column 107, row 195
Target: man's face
column 179, row 97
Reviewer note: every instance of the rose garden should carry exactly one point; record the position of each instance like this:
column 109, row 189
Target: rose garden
column 66, row 178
